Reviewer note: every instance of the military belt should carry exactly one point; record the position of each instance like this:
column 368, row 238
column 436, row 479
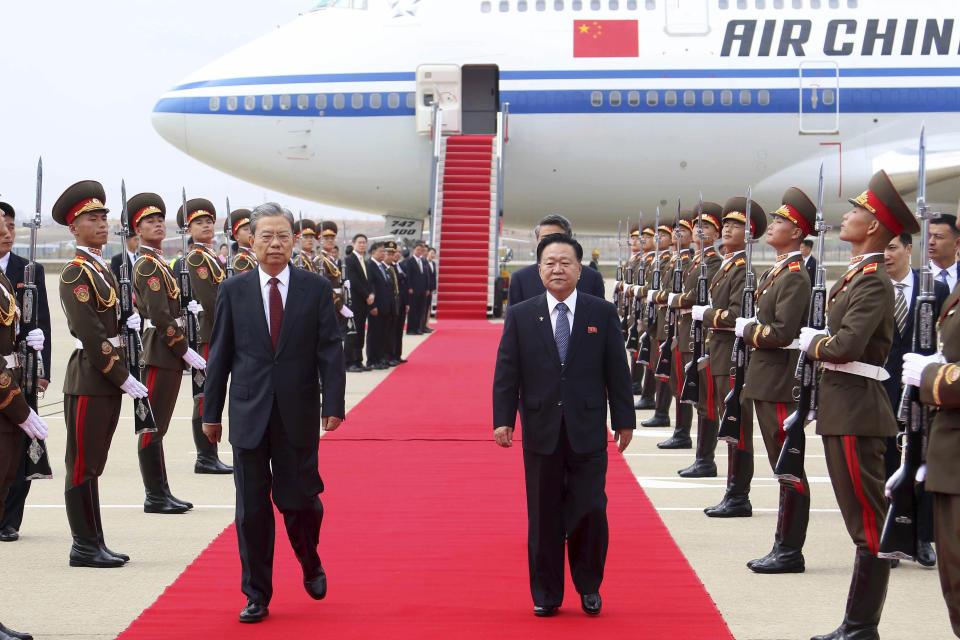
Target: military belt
column 862, row 369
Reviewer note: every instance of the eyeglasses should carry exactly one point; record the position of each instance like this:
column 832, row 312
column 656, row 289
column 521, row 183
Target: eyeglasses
column 283, row 237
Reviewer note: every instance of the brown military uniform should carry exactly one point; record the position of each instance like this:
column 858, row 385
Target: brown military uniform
column 13, row 406
column 244, row 260
column 326, row 267
column 303, row 259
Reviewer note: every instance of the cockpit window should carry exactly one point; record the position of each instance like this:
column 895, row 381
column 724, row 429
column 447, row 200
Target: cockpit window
column 340, row 4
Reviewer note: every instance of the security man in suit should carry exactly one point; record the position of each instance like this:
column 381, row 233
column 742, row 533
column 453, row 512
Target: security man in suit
column 663, row 397
column 132, row 248
column 560, row 362
column 726, row 300
column 418, row 276
column 809, row 261
column 783, row 299
column 244, row 259
column 305, row 239
column 854, row 416
column 381, row 309
column 361, row 290
column 206, row 274
column 165, row 350
column 906, row 285
column 398, row 308
column 12, row 266
column 96, row 376
column 709, row 225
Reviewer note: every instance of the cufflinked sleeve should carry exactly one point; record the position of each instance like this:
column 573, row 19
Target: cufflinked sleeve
column 868, row 306
column 940, row 386
column 790, row 313
column 154, row 304
column 79, row 301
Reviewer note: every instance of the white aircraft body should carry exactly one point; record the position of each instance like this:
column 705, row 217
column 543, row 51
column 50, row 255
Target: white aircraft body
column 614, row 105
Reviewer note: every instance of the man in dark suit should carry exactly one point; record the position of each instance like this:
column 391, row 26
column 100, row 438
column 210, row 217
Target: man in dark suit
column 431, row 287
column 418, row 275
column 275, row 331
column 12, row 266
column 361, row 292
column 394, row 349
column 133, row 250
column 906, row 283
column 525, row 283
column 561, row 379
column 806, row 250
column 380, row 309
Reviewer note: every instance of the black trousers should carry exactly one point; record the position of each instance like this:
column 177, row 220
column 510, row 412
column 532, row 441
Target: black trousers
column 390, row 324
column 290, row 474
column 566, row 499
column 17, row 496
column 396, row 346
column 376, row 338
column 354, row 344
column 415, row 319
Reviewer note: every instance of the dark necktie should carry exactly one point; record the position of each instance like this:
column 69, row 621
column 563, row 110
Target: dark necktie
column 900, row 307
column 562, row 332
column 276, row 312
column 942, row 276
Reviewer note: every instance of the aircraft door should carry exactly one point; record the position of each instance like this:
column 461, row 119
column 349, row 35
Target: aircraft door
column 438, row 83
column 819, row 98
column 687, row 18
column 481, row 98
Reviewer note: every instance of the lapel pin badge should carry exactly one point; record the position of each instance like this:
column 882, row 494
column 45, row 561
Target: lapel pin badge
column 591, row 329
column 540, row 318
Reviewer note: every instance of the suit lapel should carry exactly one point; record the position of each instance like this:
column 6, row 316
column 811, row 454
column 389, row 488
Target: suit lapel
column 542, row 318
column 291, row 311
column 255, row 301
column 579, row 326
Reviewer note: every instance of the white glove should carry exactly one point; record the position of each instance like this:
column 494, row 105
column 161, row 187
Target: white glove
column 34, row 426
column 922, row 472
column 133, row 322
column 345, row 312
column 194, row 359
column 808, row 335
column 35, row 339
column 650, row 295
column 914, row 364
column 346, row 284
column 741, row 325
column 194, row 307
column 670, row 298
column 920, row 477
column 636, row 290
column 698, row 310
column 132, row 387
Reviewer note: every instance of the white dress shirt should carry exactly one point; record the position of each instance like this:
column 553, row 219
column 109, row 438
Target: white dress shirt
column 4, row 262
column 552, row 303
column 284, row 286
column 951, row 272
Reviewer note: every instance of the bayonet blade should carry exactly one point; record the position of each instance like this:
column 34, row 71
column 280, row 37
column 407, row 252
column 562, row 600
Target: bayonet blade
column 39, row 186
column 922, row 177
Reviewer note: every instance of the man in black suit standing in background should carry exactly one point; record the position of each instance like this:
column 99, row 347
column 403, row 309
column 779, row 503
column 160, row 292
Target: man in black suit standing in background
column 525, row 283
column 418, row 275
column 561, row 359
column 12, row 266
column 906, row 287
column 381, row 285
column 276, row 329
column 806, row 250
column 133, row 250
column 361, row 293
column 431, row 287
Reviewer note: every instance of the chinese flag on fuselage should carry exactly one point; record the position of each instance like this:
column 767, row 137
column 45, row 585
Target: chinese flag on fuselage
column 605, row 39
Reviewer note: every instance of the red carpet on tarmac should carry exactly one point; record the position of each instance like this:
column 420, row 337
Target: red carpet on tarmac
column 424, row 533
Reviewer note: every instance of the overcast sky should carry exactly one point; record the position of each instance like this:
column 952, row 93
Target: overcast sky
column 79, row 81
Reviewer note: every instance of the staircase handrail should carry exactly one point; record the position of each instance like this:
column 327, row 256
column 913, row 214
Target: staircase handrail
column 436, row 134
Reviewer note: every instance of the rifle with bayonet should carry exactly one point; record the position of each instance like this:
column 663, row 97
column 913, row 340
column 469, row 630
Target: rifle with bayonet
column 31, row 361
column 791, row 461
column 899, row 536
column 665, row 363
column 633, row 335
column 191, row 326
column 628, row 318
column 143, row 420
column 646, row 340
column 732, row 418
column 230, row 240
column 619, row 295
column 690, row 392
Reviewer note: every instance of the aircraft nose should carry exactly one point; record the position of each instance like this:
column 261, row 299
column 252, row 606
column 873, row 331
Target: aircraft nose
column 169, row 120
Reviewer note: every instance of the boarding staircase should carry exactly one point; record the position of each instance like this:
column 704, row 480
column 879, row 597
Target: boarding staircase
column 465, row 222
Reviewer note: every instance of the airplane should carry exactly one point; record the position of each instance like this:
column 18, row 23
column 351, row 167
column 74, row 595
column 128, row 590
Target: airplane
column 615, row 106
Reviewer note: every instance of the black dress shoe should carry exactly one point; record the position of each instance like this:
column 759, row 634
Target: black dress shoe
column 591, row 603
column 379, row 366
column 9, row 534
column 414, row 333
column 731, row 508
column 925, row 554
column 661, row 420
column 355, row 368
column 637, row 389
column 894, row 563
column 6, row 632
column 545, row 611
column 402, row 361
column 160, row 503
column 673, row 442
column 254, row 612
column 780, row 560
column 211, row 465
column 645, row 403
column 428, row 330
column 699, row 469
column 316, row 586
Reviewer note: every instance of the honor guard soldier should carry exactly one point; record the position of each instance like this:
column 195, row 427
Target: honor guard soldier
column 245, row 259
column 709, row 225
column 726, row 299
column 682, row 259
column 305, row 236
column 165, row 350
column 661, row 415
column 854, row 415
column 206, row 274
column 96, row 376
column 633, row 264
column 643, row 376
column 326, row 265
column 783, row 297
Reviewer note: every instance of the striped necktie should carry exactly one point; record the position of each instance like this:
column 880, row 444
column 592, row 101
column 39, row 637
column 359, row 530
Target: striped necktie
column 900, row 307
column 562, row 332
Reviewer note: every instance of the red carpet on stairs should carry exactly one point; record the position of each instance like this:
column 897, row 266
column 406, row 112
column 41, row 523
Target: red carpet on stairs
column 424, row 533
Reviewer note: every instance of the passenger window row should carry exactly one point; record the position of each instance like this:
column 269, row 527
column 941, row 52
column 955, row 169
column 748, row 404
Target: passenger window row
column 522, row 6
column 689, row 97
column 286, row 102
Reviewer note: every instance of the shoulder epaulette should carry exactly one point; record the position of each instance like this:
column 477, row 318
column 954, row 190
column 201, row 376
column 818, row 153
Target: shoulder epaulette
column 740, row 262
column 870, row 268
column 795, row 266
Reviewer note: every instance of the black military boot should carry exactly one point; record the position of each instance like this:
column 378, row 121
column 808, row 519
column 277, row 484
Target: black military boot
column 704, row 466
column 153, row 473
column 636, row 375
column 82, row 514
column 661, row 415
column 7, row 632
column 787, row 553
column 207, row 459
column 868, row 590
column 95, row 487
column 647, row 391
column 681, row 433
column 166, row 483
column 736, row 502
